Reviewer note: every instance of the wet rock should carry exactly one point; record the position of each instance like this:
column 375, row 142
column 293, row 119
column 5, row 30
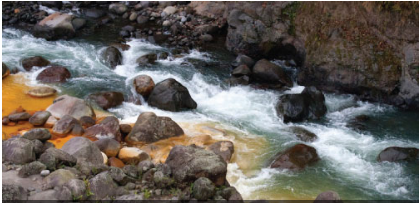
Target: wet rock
column 18, row 151
column 107, row 100
column 83, row 149
column 109, row 146
column 41, row 134
column 5, row 121
column 67, row 105
column 54, row 158
column 242, row 80
column 147, row 59
column 189, row 163
column 328, row 196
column 101, row 186
column 78, row 23
column 118, row 8
column 203, row 189
column 32, row 168
column 266, row 72
column 107, row 128
column 58, row 178
column 94, row 13
column 55, row 26
column 5, row 70
column 170, row 95
column 241, row 70
column 113, row 161
column 132, row 155
column 125, row 129
column 54, row 74
column 39, row 118
column 303, row 134
column 38, row 61
column 150, row 128
column 359, row 122
column 67, row 124
column 13, row 192
column 163, row 55
column 142, row 20
column 296, row 158
column 310, row 104
column 399, row 154
column 223, row 148
column 119, row 176
column 50, row 122
column 112, row 57
column 22, row 116
column 87, row 121
column 42, row 92
column 242, row 59
column 143, row 85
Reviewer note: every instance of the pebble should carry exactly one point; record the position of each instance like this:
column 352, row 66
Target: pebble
column 45, row 173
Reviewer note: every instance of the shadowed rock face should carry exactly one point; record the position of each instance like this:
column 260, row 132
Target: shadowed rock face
column 107, row 100
column 151, row 128
column 398, row 154
column 54, row 27
column 296, row 158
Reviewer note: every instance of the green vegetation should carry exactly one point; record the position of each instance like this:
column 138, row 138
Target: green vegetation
column 88, row 192
column 147, row 193
column 290, row 12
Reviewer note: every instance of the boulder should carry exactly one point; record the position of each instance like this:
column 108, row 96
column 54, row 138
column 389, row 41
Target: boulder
column 119, row 176
column 41, row 134
column 310, row 104
column 55, row 26
column 142, row 19
column 54, row 158
column 242, row 59
column 67, row 105
column 102, row 186
column 266, row 72
column 107, row 100
column 296, row 158
column 42, row 92
column 143, row 85
column 77, row 189
column 54, row 74
column 125, row 129
column 132, row 155
column 90, row 169
column 115, row 162
column 37, row 61
column 118, row 8
column 58, row 178
column 144, row 166
column 359, row 122
column 32, row 168
column 399, row 154
column 242, row 80
column 18, row 151
column 107, row 128
column 147, row 59
column 38, row 147
column 87, row 121
column 203, row 189
column 303, row 134
column 112, row 57
column 188, row 163
column 94, row 13
column 83, row 149
column 108, row 146
column 13, row 192
column 241, row 70
column 68, row 125
column 223, row 148
column 39, row 118
column 16, row 117
column 78, row 23
column 230, row 194
column 46, row 195
column 151, row 128
column 328, row 196
column 131, row 170
column 170, row 95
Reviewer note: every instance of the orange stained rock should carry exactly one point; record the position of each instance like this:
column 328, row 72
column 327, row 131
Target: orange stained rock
column 113, row 161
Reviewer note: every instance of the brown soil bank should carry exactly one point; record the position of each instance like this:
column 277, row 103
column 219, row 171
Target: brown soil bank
column 370, row 49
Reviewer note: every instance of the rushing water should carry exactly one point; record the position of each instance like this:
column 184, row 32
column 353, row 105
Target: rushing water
column 348, row 158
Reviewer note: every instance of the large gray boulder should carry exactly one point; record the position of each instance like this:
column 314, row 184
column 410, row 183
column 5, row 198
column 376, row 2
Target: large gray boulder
column 32, row 168
column 83, row 149
column 39, row 118
column 296, row 158
column 399, row 154
column 266, row 72
column 107, row 128
column 151, row 128
column 18, row 151
column 112, row 57
column 170, row 95
column 188, row 163
column 67, row 124
column 13, row 192
column 53, row 158
column 55, row 26
column 102, row 186
column 58, row 178
column 54, row 74
column 37, row 61
column 143, row 85
column 41, row 134
column 107, row 100
column 203, row 189
column 67, row 105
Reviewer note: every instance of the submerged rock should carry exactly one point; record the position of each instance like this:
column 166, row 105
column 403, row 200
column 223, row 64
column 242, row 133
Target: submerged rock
column 143, row 85
column 266, row 72
column 55, row 26
column 112, row 56
column 38, row 61
column 328, row 196
column 188, row 163
column 310, row 104
column 18, row 151
column 151, row 128
column 107, row 100
column 398, row 154
column 303, row 134
column 296, row 158
column 67, row 105
column 107, row 128
column 147, row 59
column 54, row 74
column 170, row 95
column 83, row 149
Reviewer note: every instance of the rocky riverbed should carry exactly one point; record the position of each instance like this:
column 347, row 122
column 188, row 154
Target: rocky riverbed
column 202, row 101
